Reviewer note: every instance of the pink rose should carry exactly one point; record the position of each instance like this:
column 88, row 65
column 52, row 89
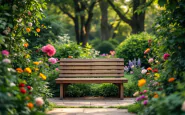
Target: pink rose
column 52, row 60
column 5, row 52
column 165, row 56
column 39, row 101
column 150, row 60
column 56, row 69
column 29, row 13
column 49, row 49
column 144, row 91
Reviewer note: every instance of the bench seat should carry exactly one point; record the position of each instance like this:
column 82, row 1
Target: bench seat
column 91, row 80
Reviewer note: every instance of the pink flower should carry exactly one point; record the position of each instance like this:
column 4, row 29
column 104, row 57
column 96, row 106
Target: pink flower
column 49, row 49
column 29, row 13
column 52, row 60
column 39, row 101
column 5, row 52
column 6, row 61
column 56, row 69
column 144, row 91
column 150, row 60
column 165, row 56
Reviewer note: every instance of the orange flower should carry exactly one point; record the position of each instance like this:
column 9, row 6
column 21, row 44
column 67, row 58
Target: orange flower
column 156, row 95
column 26, row 45
column 149, row 69
column 30, row 105
column 38, row 30
column 141, row 82
column 28, row 29
column 171, row 79
column 147, row 50
column 147, row 73
column 70, row 56
column 19, row 70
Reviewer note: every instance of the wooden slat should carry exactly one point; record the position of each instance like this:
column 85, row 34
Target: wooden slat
column 91, row 67
column 91, row 75
column 90, row 60
column 92, row 71
column 94, row 64
column 91, row 80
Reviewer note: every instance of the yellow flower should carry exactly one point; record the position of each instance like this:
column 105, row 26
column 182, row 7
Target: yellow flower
column 19, row 70
column 156, row 76
column 27, row 56
column 171, row 79
column 36, row 69
column 141, row 82
column 28, row 70
column 36, row 63
column 42, row 76
column 30, row 105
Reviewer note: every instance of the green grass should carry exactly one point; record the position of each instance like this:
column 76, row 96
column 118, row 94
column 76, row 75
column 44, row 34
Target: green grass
column 119, row 107
column 61, row 106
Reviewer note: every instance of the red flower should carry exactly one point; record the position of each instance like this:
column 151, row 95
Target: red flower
column 21, row 85
column 22, row 90
column 29, row 87
column 165, row 56
column 155, row 70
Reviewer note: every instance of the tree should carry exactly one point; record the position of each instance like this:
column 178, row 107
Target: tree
column 136, row 20
column 81, row 13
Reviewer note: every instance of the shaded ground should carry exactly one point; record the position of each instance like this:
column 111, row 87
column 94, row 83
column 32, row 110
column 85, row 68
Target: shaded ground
column 90, row 101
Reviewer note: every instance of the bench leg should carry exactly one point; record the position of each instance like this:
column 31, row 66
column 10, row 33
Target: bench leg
column 121, row 91
column 61, row 91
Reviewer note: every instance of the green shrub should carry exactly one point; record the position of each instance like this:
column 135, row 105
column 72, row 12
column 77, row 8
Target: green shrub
column 134, row 47
column 105, row 47
column 78, row 90
column 108, row 90
column 114, row 42
column 95, row 42
column 135, row 108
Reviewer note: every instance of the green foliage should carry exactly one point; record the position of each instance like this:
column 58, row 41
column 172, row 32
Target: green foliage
column 105, row 47
column 78, row 90
column 134, row 47
column 95, row 42
column 135, row 108
column 114, row 42
column 108, row 90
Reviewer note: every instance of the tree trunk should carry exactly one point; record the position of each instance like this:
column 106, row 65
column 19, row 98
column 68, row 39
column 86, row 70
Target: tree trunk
column 137, row 22
column 105, row 27
column 76, row 22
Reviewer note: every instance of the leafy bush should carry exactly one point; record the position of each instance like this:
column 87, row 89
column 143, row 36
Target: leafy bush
column 133, row 47
column 108, row 90
column 95, row 42
column 135, row 108
column 78, row 90
column 105, row 47
column 114, row 42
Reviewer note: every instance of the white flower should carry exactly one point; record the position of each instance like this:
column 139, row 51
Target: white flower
column 30, row 24
column 11, row 69
column 6, row 60
column 143, row 71
column 183, row 106
column 20, row 20
column 39, row 101
column 12, row 84
column 6, row 32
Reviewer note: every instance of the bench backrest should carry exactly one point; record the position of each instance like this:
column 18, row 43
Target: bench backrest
column 113, row 67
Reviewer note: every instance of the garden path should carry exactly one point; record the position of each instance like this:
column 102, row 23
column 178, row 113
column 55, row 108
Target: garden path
column 81, row 103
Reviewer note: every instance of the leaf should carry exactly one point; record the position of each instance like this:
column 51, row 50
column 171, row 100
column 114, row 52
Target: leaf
column 162, row 2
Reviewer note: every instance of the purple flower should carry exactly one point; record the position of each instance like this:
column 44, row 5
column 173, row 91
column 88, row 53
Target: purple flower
column 139, row 62
column 143, row 97
column 138, row 99
column 130, row 64
column 103, row 54
column 145, row 102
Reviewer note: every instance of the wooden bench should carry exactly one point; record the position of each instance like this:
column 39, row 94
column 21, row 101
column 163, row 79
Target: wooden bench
column 91, row 71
